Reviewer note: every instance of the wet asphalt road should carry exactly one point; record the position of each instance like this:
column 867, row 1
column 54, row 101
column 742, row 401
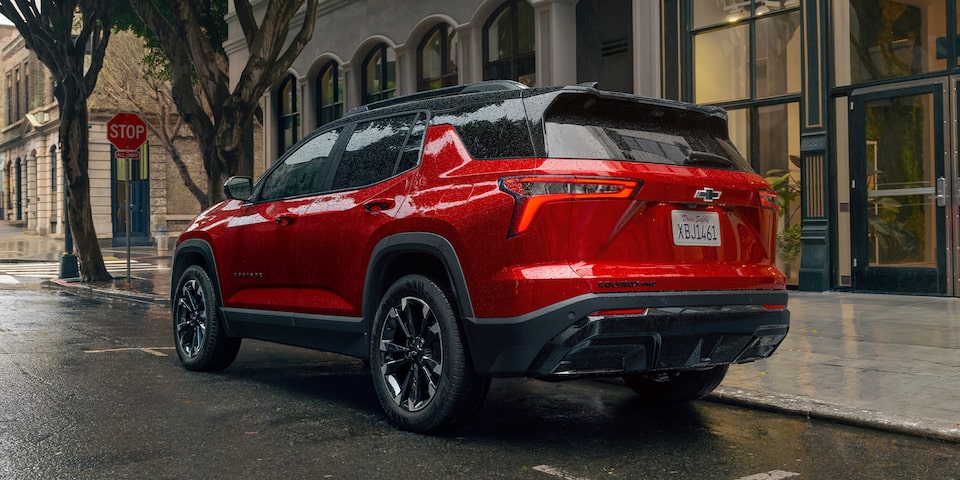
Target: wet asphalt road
column 92, row 389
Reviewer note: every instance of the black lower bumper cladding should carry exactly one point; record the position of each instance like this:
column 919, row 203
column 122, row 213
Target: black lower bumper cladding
column 619, row 333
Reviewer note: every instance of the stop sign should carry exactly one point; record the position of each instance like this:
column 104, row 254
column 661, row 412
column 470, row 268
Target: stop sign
column 126, row 131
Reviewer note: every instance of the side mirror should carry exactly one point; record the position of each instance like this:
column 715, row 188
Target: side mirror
column 238, row 188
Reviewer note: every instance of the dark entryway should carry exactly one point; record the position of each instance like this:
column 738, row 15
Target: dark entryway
column 132, row 174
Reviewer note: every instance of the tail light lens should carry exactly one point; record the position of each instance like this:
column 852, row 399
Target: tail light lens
column 768, row 199
column 533, row 192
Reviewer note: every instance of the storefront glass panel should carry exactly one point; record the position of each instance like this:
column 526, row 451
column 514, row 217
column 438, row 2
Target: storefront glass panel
column 778, row 160
column 885, row 39
column 900, row 181
column 722, row 65
column 738, row 125
column 778, row 55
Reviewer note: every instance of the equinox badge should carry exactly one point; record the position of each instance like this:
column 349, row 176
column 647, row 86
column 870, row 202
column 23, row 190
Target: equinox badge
column 707, row 194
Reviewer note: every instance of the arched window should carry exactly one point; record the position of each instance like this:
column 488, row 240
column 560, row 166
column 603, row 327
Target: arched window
column 509, row 45
column 288, row 114
column 379, row 74
column 53, row 168
column 329, row 93
column 437, row 58
column 19, row 186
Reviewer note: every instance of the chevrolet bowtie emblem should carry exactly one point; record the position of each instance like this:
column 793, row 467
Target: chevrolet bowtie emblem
column 707, row 194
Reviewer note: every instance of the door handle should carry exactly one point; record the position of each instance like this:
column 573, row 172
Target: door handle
column 375, row 206
column 285, row 220
column 941, row 192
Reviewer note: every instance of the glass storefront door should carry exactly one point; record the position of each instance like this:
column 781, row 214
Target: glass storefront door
column 898, row 189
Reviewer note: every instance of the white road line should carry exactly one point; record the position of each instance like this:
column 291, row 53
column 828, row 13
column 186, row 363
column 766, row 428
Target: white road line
column 151, row 350
column 771, row 475
column 48, row 269
column 556, row 472
column 7, row 279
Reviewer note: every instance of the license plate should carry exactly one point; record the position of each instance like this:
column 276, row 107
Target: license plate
column 696, row 228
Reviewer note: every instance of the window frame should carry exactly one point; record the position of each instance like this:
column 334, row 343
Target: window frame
column 446, row 78
column 384, row 70
column 53, row 168
column 337, row 107
column 515, row 57
column 293, row 116
column 750, row 104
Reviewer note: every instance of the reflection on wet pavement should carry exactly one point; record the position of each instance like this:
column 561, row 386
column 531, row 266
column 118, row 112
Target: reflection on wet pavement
column 877, row 352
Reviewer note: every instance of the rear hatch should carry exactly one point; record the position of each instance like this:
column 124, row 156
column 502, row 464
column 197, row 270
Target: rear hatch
column 690, row 215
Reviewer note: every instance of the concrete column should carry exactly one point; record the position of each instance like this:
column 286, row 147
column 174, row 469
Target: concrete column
column 269, row 130
column 647, row 62
column 555, row 24
column 465, row 64
column 308, row 105
column 563, row 41
column 351, row 81
column 406, row 70
column 472, row 49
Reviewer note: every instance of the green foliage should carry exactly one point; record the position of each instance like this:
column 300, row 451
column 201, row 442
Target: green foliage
column 788, row 194
column 894, row 238
column 212, row 23
column 788, row 190
column 788, row 244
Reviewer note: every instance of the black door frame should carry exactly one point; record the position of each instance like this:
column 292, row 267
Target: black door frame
column 907, row 280
column 139, row 214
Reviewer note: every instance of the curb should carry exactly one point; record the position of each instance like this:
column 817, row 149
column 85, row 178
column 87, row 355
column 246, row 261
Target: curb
column 74, row 286
column 819, row 410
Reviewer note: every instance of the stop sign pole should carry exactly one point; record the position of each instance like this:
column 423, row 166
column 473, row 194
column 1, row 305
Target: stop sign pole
column 127, row 132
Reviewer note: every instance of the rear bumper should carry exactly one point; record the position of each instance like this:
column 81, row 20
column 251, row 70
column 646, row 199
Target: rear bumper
column 678, row 330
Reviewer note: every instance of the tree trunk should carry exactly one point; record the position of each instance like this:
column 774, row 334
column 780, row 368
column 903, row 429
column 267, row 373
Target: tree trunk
column 76, row 156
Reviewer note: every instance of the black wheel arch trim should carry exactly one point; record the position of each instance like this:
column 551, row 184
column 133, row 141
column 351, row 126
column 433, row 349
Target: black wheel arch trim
column 179, row 265
column 415, row 242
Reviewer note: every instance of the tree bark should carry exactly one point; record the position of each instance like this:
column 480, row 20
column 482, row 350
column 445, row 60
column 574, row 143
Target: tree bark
column 60, row 42
column 75, row 153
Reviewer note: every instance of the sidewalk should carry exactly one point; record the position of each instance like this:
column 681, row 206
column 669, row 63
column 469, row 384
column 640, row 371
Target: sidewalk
column 888, row 362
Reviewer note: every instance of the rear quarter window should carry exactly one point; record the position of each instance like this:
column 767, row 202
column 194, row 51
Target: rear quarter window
column 491, row 130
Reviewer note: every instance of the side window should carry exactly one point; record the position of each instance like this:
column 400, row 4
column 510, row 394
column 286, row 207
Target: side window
column 301, row 172
column 410, row 156
column 489, row 131
column 375, row 150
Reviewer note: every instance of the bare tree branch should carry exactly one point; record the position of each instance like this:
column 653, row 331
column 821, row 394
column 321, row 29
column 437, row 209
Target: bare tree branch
column 195, row 56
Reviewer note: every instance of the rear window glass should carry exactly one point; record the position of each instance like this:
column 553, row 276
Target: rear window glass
column 616, row 130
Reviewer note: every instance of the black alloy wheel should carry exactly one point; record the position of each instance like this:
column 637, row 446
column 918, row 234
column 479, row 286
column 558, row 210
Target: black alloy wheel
column 421, row 369
column 198, row 334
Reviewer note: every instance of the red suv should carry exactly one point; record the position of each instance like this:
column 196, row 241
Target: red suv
column 489, row 230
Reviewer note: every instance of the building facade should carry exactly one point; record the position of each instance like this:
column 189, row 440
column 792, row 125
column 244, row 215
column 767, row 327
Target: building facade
column 31, row 175
column 848, row 107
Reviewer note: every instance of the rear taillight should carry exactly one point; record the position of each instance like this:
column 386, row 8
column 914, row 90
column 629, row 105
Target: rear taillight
column 768, row 199
column 533, row 192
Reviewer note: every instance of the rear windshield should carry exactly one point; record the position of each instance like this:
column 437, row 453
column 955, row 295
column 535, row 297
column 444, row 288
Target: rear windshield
column 605, row 129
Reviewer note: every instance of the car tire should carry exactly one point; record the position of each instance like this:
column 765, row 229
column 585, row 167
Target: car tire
column 677, row 386
column 420, row 365
column 198, row 333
